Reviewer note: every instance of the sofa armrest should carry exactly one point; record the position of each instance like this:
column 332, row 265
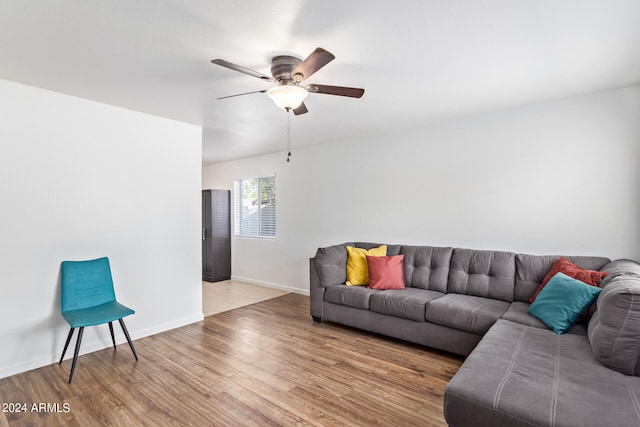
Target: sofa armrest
column 614, row 329
column 316, row 292
column 619, row 267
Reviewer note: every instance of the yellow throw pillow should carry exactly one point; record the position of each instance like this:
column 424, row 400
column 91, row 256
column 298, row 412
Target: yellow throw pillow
column 357, row 269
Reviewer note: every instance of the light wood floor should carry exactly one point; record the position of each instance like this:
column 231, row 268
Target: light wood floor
column 226, row 295
column 263, row 364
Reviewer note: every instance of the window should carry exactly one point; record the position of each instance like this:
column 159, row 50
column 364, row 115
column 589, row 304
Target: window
column 255, row 207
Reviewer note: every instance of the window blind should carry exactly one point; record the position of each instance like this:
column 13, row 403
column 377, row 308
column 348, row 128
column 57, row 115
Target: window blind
column 255, row 207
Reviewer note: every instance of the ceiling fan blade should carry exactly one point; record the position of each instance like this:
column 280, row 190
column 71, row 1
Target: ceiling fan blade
column 300, row 110
column 352, row 92
column 241, row 69
column 312, row 63
column 241, row 94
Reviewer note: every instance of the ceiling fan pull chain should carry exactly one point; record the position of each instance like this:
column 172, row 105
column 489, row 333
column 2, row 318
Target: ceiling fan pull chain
column 289, row 134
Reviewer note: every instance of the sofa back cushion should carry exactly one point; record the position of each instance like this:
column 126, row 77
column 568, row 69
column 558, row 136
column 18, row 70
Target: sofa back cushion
column 391, row 249
column 532, row 269
column 427, row 267
column 614, row 329
column 489, row 274
column 331, row 264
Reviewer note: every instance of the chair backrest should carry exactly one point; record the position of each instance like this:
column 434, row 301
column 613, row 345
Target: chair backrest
column 86, row 284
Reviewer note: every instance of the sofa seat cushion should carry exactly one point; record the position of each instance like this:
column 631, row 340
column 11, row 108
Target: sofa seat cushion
column 408, row 303
column 352, row 296
column 466, row 312
column 524, row 376
column 519, row 312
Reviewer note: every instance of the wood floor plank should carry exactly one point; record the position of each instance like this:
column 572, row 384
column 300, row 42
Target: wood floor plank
column 260, row 365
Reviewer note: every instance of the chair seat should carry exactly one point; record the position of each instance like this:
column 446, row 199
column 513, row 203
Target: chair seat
column 97, row 315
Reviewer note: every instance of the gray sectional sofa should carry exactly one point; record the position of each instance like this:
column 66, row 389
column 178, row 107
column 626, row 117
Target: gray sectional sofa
column 475, row 303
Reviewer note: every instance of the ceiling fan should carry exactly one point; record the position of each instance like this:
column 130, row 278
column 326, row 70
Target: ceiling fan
column 289, row 72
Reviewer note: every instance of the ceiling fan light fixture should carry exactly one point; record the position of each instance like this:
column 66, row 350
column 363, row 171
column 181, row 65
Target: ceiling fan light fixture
column 287, row 96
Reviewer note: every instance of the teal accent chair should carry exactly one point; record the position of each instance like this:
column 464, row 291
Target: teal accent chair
column 88, row 299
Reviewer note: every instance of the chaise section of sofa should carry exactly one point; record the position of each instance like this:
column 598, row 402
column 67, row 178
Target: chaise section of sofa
column 525, row 375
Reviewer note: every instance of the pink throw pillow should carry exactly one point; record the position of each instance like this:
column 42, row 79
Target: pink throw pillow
column 386, row 272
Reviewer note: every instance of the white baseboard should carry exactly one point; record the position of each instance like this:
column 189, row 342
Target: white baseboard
column 96, row 345
column 156, row 329
column 272, row 285
column 27, row 365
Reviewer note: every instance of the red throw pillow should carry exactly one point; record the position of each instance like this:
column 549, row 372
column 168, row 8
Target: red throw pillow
column 563, row 265
column 386, row 272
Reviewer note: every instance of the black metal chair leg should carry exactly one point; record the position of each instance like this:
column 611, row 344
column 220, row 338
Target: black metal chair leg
column 66, row 344
column 126, row 334
column 75, row 355
column 113, row 339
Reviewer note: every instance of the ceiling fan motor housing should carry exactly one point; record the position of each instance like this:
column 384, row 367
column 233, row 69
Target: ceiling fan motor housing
column 282, row 66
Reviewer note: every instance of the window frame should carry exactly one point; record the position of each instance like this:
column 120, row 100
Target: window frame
column 240, row 227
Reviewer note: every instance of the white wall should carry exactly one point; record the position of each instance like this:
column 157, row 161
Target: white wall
column 80, row 180
column 555, row 178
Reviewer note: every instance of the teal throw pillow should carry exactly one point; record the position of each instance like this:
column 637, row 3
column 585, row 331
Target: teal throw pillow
column 560, row 303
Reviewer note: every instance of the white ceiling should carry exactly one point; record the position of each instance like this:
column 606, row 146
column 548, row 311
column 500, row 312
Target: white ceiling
column 419, row 61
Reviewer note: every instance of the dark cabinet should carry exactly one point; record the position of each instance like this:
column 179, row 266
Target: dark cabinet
column 216, row 235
